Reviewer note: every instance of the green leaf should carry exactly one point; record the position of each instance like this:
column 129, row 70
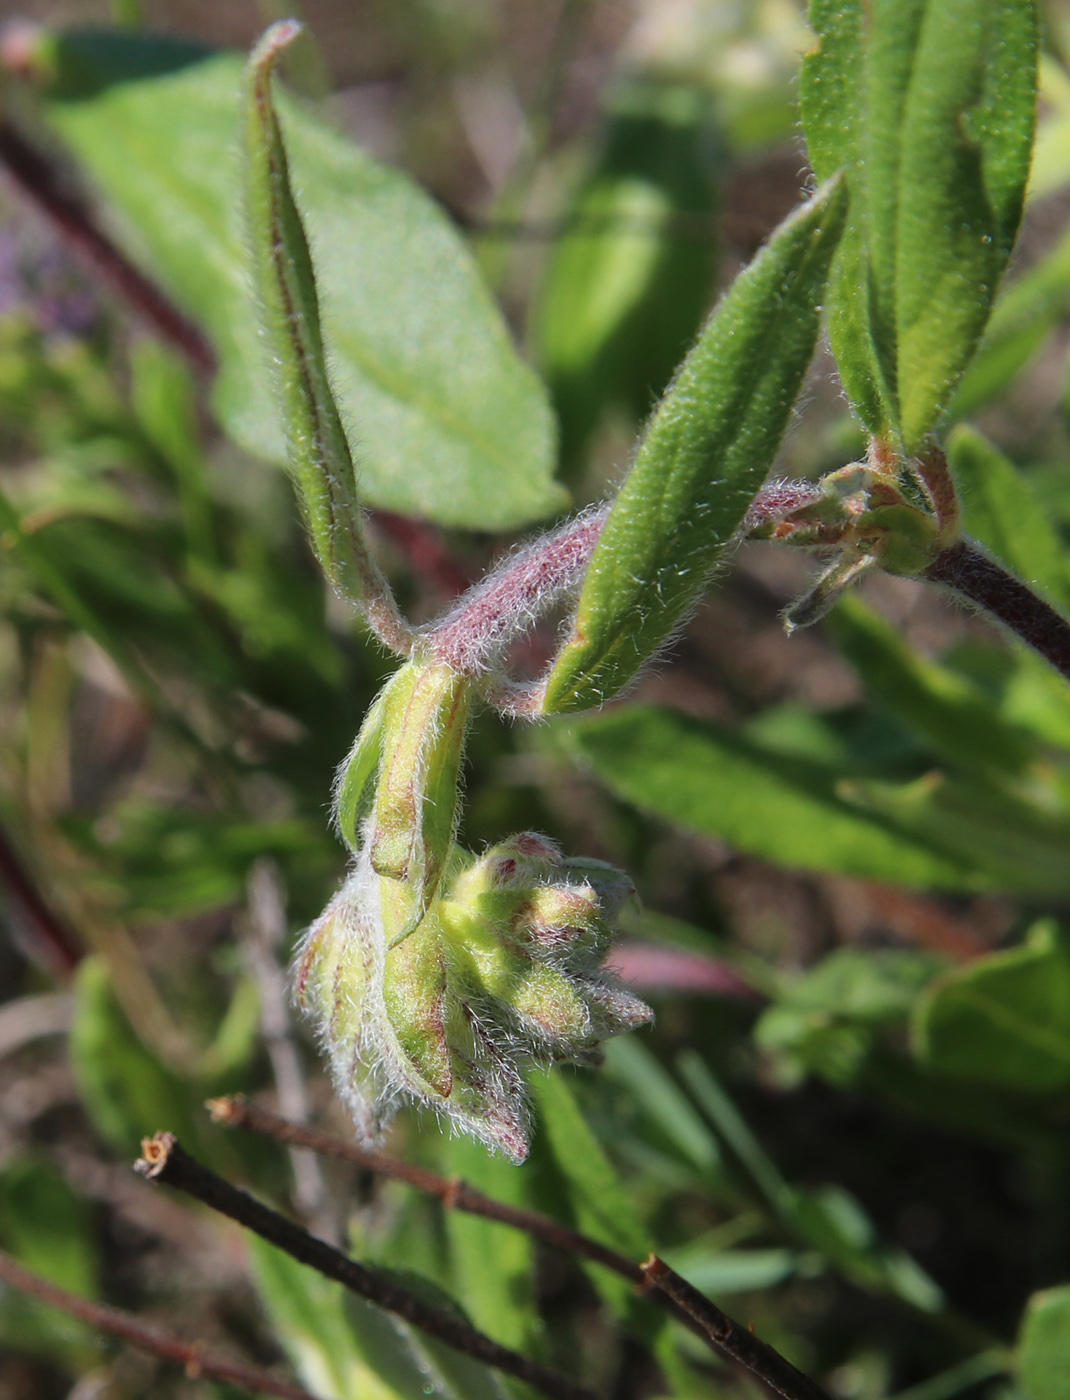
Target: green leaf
column 1043, row 1353
column 1027, row 311
column 452, row 425
column 308, row 1315
column 346, row 1349
column 1004, row 1019
column 701, row 461
column 955, row 717
column 1000, row 510
column 832, row 96
column 937, row 157
column 50, row 1230
column 722, row 1271
column 46, row 1226
column 826, row 1020
column 126, row 1092
column 788, row 809
column 830, row 1218
column 601, row 1205
column 492, row 1264
column 661, row 1100
column 285, row 285
column 628, row 283
column 967, row 131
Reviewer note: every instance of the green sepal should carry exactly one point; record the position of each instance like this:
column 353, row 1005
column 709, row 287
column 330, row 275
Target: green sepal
column 705, row 453
column 354, row 784
column 425, row 718
column 414, row 994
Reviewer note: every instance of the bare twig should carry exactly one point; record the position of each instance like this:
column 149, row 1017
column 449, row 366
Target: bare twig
column 39, row 180
column 165, row 1161
column 966, row 570
column 197, row 1359
column 238, row 1112
column 729, row 1339
column 58, row 948
column 735, row 1342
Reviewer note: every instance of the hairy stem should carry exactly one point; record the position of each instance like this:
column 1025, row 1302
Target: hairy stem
column 165, row 1161
column 197, row 1359
column 473, row 636
column 974, row 575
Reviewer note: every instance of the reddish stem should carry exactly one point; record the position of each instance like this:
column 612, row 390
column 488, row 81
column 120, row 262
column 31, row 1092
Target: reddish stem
column 197, row 1360
column 38, row 178
column 59, row 949
column 971, row 573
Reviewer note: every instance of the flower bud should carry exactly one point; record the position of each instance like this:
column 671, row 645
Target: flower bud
column 503, row 971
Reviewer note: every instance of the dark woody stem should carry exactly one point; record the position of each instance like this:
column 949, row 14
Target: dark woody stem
column 165, row 1161
column 974, row 575
column 738, row 1343
column 730, row 1340
column 39, row 180
column 238, row 1112
column 145, row 1336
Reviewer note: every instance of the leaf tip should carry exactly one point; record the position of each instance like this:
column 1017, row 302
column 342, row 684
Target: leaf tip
column 272, row 43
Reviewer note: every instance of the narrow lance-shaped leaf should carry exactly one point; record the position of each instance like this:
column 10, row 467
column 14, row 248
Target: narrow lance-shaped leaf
column 703, row 458
column 832, row 101
column 936, row 155
column 285, row 282
column 967, row 134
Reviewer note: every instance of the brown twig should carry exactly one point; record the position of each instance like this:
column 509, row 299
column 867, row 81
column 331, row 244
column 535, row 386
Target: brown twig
column 237, row 1111
column 729, row 1339
column 59, row 949
column 968, row 571
column 197, row 1360
column 164, row 1160
column 736, row 1342
column 39, row 179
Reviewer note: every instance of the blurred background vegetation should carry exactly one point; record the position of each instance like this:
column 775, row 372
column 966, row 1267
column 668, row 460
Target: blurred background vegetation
column 850, row 1123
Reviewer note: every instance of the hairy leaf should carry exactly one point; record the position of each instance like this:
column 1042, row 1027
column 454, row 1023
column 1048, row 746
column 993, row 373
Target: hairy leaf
column 703, row 457
column 937, row 157
column 451, row 424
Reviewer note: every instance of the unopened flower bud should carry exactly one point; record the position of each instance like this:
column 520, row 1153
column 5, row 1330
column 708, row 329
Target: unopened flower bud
column 503, row 971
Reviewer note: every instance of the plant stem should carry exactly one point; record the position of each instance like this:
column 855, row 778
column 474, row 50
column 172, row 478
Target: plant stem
column 165, row 1161
column 967, row 571
column 197, row 1360
column 236, row 1111
column 729, row 1339
column 57, row 945
column 472, row 636
column 736, row 1342
column 39, row 180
